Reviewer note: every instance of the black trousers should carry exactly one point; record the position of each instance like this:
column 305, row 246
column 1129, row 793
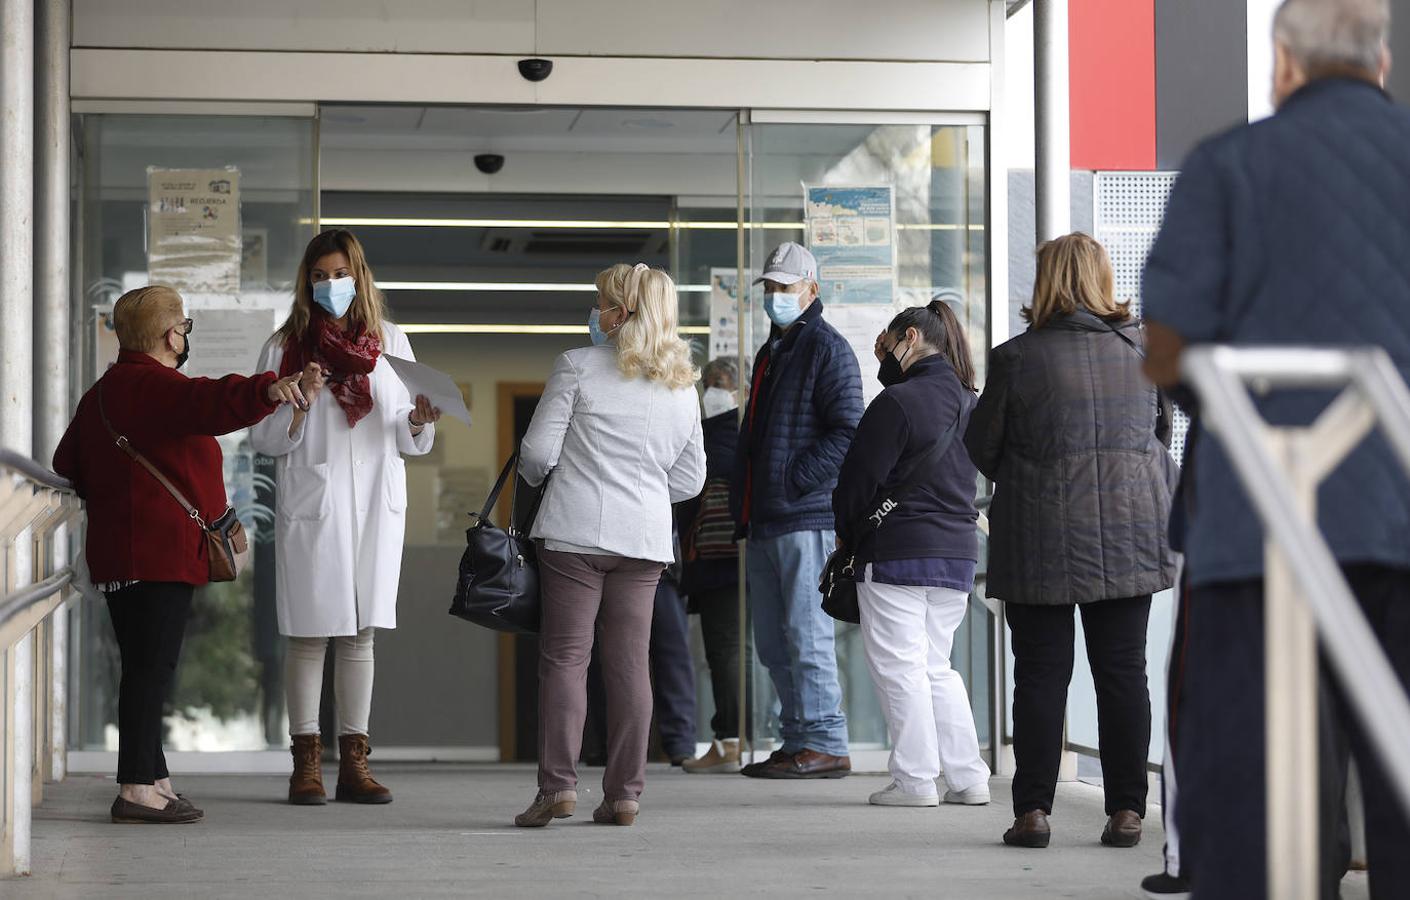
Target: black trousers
column 1043, row 648
column 1220, row 745
column 149, row 619
column 719, row 628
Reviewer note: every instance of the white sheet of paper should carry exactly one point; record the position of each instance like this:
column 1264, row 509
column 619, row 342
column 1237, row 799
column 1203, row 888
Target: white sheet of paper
column 435, row 384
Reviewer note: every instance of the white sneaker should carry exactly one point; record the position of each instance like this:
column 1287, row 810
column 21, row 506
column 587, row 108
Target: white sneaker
column 892, row 795
column 971, row 796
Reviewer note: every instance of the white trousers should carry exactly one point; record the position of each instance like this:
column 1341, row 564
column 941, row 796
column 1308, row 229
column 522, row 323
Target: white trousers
column 908, row 633
column 352, row 682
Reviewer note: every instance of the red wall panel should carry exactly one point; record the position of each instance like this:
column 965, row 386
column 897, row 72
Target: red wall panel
column 1112, row 71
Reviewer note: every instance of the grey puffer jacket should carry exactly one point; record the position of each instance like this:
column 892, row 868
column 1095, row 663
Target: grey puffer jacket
column 1067, row 430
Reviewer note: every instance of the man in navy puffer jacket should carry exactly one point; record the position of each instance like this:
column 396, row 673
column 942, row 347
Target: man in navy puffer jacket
column 803, row 409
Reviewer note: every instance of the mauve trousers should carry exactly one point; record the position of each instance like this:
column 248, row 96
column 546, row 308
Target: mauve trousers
column 612, row 596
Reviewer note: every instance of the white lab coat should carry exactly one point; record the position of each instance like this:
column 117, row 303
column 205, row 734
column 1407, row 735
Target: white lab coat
column 340, row 513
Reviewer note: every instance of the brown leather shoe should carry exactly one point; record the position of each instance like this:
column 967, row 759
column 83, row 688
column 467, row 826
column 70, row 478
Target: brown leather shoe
column 355, row 781
column 756, row 769
column 125, row 812
column 306, row 784
column 1123, row 829
column 1029, row 830
column 811, row 764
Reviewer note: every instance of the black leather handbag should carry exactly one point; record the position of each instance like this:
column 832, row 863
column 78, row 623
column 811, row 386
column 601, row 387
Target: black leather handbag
column 838, row 584
column 498, row 585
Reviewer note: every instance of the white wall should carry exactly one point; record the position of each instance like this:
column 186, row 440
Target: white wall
column 933, row 30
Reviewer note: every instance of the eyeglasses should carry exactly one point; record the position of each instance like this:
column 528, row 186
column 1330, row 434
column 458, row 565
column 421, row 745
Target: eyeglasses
column 186, row 326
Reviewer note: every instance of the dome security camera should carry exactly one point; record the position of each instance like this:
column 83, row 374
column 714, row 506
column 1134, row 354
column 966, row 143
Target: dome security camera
column 489, row 163
column 535, row 69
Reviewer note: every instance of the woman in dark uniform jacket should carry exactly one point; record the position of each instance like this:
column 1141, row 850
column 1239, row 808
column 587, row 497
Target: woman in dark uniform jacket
column 1075, row 439
column 143, row 549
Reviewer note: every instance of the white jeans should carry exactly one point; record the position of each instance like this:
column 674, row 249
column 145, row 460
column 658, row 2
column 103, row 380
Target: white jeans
column 908, row 632
column 352, row 682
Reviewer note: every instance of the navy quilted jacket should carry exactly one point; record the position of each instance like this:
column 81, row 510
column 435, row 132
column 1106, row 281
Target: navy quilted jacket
column 804, row 409
column 1294, row 231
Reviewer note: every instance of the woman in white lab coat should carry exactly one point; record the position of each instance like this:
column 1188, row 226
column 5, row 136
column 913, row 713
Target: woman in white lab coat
column 340, row 516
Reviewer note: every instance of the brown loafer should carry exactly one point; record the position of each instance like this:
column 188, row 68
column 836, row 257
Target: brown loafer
column 811, row 764
column 756, row 769
column 1029, row 830
column 1123, row 829
column 175, row 812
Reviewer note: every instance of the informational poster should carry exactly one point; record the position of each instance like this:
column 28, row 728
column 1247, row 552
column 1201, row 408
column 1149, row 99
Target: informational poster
column 724, row 313
column 227, row 340
column 193, row 219
column 860, row 325
column 852, row 232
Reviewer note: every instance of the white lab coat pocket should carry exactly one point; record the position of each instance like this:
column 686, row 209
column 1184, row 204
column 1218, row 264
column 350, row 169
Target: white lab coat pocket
column 394, row 477
column 303, row 494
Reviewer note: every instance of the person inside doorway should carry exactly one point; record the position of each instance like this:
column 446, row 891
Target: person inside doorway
column 340, row 514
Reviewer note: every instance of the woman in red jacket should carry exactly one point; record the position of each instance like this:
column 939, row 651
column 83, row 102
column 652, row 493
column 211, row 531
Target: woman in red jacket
column 144, row 551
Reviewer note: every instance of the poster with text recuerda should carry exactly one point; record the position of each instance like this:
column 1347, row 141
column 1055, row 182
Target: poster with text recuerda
column 193, row 229
column 852, row 233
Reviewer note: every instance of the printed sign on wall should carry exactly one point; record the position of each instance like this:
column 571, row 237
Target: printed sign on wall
column 193, row 229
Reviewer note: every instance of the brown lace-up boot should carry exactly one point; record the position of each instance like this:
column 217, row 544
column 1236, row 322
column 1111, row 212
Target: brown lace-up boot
column 355, row 781
column 306, row 784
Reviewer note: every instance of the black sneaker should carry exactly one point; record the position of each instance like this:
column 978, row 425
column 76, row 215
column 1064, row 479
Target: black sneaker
column 1165, row 886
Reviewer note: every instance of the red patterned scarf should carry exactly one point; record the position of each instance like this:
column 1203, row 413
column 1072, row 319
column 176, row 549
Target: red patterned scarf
column 348, row 360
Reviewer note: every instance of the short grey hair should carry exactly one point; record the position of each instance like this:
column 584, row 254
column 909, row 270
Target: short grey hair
column 721, row 366
column 1324, row 33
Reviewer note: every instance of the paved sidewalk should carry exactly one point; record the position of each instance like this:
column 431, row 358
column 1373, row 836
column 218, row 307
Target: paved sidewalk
column 449, row 835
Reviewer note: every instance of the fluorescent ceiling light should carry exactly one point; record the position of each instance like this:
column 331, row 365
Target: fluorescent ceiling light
column 513, row 286
column 458, row 328
column 589, row 224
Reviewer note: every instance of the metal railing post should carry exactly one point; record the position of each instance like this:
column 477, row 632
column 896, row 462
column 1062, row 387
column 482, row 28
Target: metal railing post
column 1290, row 691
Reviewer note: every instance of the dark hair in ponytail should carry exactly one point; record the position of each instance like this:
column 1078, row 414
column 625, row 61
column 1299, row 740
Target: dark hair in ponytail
column 940, row 328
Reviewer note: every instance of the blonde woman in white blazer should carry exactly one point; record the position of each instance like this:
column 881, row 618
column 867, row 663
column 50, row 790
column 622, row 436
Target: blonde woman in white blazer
column 618, row 428
column 340, row 514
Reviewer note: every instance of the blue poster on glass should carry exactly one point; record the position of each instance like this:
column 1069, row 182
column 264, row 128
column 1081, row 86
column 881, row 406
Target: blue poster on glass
column 851, row 231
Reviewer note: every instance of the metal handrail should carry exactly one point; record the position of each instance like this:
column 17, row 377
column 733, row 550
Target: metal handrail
column 13, row 604
column 35, row 472
column 1280, row 469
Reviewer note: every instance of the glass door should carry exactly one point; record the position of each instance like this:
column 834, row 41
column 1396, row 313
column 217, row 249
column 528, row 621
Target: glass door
column 895, row 214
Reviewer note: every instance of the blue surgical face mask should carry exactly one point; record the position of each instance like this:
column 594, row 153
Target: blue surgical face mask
column 599, row 337
column 783, row 309
column 335, row 295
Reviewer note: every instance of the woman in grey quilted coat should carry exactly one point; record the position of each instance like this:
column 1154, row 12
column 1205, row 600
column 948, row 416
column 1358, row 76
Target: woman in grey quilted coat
column 1075, row 440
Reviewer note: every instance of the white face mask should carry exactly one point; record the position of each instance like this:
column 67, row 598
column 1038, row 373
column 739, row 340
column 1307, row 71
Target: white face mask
column 717, row 400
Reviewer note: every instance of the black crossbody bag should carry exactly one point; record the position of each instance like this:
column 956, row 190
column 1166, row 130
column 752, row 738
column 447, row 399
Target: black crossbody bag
column 839, row 576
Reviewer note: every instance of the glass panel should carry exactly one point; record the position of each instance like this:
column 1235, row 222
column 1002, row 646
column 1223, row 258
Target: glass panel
column 936, row 178
column 228, row 693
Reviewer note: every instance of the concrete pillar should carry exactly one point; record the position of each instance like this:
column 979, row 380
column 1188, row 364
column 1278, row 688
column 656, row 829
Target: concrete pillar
column 51, row 227
column 16, row 219
column 1052, row 130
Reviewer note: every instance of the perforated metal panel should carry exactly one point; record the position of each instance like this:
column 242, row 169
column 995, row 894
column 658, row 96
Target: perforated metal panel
column 1129, row 209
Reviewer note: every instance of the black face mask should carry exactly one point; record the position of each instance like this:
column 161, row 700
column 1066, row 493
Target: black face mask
column 890, row 372
column 185, row 353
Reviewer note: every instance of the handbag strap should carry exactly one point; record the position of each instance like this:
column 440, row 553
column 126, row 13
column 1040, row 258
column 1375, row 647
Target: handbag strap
column 498, row 487
column 921, row 467
column 141, row 460
column 1130, row 343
